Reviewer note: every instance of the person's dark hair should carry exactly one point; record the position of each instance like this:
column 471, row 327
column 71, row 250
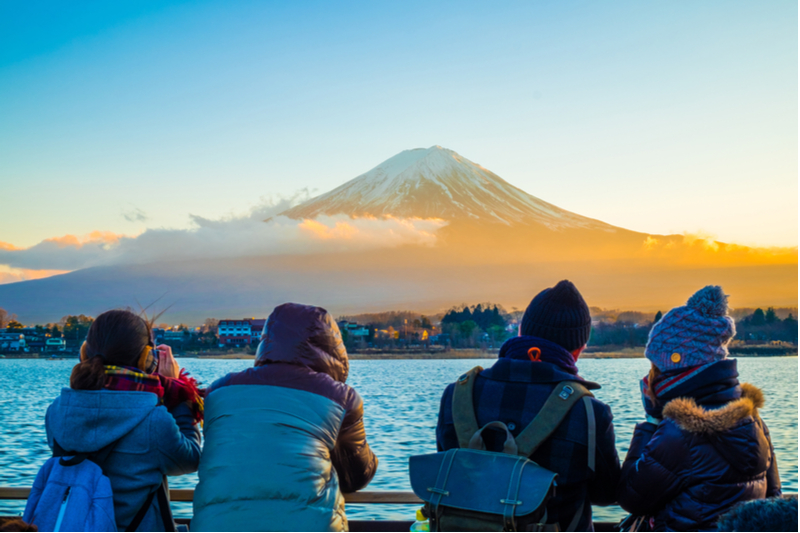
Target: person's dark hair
column 16, row 524
column 116, row 337
column 651, row 383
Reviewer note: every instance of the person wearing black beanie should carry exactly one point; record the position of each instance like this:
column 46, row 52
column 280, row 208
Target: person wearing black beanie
column 529, row 370
column 558, row 314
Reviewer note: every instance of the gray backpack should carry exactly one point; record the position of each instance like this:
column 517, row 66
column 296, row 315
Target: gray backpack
column 471, row 489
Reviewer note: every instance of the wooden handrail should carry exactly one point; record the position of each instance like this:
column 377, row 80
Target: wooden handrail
column 186, row 495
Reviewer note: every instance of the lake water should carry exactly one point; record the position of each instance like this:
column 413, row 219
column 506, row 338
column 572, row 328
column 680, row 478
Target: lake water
column 401, row 401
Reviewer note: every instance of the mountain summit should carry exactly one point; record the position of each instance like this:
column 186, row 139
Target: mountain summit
column 438, row 183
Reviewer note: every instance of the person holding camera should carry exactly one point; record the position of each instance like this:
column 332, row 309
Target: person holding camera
column 130, row 401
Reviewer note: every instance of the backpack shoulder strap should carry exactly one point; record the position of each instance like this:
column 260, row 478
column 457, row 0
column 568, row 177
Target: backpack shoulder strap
column 163, row 505
column 463, row 409
column 99, row 457
column 555, row 409
column 591, row 429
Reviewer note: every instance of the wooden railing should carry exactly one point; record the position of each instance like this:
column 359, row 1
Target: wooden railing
column 186, row 495
column 368, row 497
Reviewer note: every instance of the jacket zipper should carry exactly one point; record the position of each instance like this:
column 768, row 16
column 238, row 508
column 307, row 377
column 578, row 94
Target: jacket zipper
column 62, row 511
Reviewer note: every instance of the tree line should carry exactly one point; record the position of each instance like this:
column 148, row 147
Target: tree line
column 476, row 326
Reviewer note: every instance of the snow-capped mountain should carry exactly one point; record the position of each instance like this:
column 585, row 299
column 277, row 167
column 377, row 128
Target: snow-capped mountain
column 438, row 183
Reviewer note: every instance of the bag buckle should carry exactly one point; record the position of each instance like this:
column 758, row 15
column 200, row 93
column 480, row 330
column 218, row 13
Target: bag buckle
column 566, row 392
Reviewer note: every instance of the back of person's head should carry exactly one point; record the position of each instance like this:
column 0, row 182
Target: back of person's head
column 772, row 514
column 118, row 337
column 304, row 335
column 560, row 315
column 694, row 334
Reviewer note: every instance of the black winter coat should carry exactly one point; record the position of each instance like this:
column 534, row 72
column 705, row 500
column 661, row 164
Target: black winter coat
column 697, row 463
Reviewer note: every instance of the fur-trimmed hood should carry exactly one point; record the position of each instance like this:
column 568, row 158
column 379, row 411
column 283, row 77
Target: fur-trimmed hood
column 695, row 419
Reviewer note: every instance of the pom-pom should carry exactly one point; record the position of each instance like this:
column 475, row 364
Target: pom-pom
column 709, row 301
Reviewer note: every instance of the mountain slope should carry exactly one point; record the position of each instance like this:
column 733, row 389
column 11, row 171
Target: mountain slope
column 439, row 183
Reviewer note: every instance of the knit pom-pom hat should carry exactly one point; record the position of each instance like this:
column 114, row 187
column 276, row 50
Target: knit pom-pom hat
column 694, row 334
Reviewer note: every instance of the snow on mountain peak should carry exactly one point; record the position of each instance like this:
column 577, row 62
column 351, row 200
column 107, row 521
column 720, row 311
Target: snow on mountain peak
column 437, row 182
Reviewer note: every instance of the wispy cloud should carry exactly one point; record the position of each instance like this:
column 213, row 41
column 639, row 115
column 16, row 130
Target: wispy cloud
column 257, row 233
column 135, row 215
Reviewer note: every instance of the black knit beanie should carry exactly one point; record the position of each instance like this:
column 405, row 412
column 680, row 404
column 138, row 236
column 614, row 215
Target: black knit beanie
column 559, row 315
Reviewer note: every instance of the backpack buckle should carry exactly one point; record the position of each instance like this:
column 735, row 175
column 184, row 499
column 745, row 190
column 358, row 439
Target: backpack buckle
column 566, row 392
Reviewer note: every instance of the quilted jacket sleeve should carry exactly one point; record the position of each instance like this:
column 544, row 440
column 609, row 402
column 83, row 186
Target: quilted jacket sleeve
column 653, row 470
column 352, row 458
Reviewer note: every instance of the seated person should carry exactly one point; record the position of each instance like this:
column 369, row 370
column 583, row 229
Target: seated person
column 553, row 333
column 703, row 447
column 285, row 439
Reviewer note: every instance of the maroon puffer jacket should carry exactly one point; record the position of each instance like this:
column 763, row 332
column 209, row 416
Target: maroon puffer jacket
column 301, row 348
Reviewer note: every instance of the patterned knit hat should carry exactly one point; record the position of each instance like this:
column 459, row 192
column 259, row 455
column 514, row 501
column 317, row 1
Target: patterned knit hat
column 559, row 315
column 694, row 334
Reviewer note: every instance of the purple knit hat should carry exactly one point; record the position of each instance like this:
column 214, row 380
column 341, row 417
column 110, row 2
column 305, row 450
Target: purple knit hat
column 694, row 334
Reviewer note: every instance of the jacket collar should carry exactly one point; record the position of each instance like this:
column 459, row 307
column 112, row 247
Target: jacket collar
column 695, row 419
column 515, row 365
column 526, row 346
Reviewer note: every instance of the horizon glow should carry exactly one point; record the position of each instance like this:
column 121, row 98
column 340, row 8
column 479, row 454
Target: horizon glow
column 663, row 119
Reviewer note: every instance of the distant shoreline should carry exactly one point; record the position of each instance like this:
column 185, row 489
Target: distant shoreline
column 628, row 353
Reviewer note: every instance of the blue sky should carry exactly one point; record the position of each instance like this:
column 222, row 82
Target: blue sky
column 661, row 117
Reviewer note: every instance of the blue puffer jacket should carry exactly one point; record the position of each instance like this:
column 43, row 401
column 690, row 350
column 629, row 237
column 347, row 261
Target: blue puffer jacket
column 285, row 439
column 699, row 461
column 152, row 442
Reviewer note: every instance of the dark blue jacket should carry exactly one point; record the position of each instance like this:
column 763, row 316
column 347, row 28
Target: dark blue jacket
column 698, row 462
column 513, row 391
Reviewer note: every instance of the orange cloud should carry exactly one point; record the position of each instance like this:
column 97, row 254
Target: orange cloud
column 341, row 230
column 12, row 275
column 106, row 238
column 8, row 246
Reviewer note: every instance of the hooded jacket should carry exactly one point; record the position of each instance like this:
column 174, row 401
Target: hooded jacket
column 513, row 391
column 151, row 442
column 285, row 439
column 699, row 461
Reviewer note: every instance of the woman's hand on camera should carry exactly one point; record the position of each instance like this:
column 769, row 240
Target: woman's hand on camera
column 167, row 365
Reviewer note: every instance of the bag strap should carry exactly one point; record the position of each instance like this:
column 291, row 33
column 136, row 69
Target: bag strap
column 439, row 489
column 591, row 428
column 163, row 505
column 512, row 496
column 591, row 445
column 558, row 405
column 463, row 408
column 99, row 457
column 509, row 446
column 137, row 520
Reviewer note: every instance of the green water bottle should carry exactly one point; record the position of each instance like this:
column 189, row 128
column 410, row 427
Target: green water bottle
column 422, row 522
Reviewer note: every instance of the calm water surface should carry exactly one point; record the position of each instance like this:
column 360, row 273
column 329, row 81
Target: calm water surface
column 401, row 402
